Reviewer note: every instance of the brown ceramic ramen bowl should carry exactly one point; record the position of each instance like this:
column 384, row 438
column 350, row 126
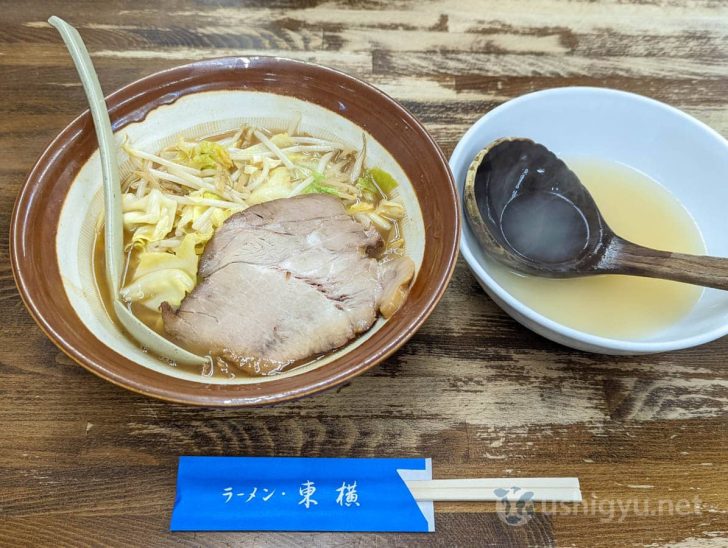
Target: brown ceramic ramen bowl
column 57, row 213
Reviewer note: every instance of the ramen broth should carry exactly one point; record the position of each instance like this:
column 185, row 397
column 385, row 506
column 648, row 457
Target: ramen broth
column 615, row 306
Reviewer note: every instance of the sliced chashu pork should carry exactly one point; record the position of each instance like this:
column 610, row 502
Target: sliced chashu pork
column 286, row 280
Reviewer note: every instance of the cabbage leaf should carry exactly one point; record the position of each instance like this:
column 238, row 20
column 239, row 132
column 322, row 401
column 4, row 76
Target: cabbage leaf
column 320, row 188
column 384, row 180
column 277, row 186
column 205, row 155
column 162, row 276
column 282, row 140
column 150, row 218
column 366, row 185
column 195, row 220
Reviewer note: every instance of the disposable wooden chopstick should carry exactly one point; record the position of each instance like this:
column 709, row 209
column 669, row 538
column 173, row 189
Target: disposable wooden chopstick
column 484, row 489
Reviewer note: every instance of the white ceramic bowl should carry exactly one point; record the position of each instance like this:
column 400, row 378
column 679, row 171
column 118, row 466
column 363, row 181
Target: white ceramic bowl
column 681, row 153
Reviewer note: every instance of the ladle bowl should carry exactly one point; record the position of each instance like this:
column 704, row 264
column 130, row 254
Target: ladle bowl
column 533, row 214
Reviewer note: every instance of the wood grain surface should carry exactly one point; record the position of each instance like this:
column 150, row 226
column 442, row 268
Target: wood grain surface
column 83, row 462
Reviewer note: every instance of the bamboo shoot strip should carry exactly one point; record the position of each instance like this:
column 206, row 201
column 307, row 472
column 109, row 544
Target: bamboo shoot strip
column 484, row 489
column 113, row 225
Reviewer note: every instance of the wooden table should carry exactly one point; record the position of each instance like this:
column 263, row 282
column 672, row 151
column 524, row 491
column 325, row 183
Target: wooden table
column 85, row 462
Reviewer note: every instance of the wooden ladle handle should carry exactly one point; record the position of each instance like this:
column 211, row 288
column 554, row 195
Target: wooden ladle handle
column 625, row 257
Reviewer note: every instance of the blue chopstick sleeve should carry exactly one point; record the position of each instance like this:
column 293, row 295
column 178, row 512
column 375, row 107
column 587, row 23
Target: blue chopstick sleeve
column 299, row 494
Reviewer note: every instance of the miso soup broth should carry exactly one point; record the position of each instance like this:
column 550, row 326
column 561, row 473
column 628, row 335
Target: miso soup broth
column 615, row 306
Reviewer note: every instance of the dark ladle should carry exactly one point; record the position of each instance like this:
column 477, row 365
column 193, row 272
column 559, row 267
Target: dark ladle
column 529, row 211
